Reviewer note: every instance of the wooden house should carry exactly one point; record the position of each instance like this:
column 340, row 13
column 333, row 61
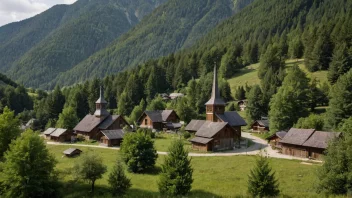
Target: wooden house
column 306, row 143
column 48, row 131
column 71, row 152
column 260, row 126
column 91, row 125
column 221, row 129
column 159, row 120
column 61, row 135
column 274, row 139
column 112, row 137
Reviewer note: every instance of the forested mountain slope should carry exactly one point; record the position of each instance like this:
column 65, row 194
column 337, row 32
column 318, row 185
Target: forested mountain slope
column 173, row 26
column 35, row 50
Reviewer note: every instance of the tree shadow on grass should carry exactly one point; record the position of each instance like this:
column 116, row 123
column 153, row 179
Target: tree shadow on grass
column 156, row 170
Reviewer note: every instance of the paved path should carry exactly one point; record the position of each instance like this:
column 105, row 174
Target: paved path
column 258, row 146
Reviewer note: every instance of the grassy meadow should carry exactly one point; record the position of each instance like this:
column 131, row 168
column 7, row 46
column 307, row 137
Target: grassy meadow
column 249, row 74
column 213, row 176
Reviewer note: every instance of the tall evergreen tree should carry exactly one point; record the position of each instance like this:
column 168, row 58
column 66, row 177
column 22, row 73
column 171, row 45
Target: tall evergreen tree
column 67, row 119
column 290, row 103
column 9, row 129
column 341, row 100
column 119, row 182
column 176, row 176
column 341, row 62
column 255, row 107
column 262, row 181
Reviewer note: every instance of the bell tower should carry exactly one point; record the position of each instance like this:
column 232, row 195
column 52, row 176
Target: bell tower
column 216, row 104
column 100, row 106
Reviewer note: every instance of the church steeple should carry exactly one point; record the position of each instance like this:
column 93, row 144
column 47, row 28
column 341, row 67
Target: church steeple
column 100, row 105
column 216, row 105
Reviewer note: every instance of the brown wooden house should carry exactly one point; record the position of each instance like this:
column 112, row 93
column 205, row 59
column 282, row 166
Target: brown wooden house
column 48, row 131
column 112, row 137
column 260, row 126
column 159, row 120
column 221, row 129
column 58, row 134
column 274, row 140
column 91, row 125
column 306, row 143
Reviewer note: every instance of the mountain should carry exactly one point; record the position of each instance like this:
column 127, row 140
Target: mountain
column 175, row 25
column 35, row 50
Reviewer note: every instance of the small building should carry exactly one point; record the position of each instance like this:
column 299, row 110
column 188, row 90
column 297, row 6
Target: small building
column 159, row 120
column 174, row 96
column 91, row 125
column 71, row 152
column 112, row 137
column 260, row 126
column 306, row 143
column 214, row 136
column 242, row 104
column 61, row 135
column 274, row 139
column 48, row 131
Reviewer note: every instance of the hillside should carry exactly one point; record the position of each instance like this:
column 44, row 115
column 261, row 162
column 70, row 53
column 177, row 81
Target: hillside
column 35, row 50
column 173, row 26
column 249, row 75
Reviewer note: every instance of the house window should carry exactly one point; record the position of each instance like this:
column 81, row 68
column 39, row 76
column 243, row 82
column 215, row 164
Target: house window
column 146, row 122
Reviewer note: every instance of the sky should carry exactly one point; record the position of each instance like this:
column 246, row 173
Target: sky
column 17, row 10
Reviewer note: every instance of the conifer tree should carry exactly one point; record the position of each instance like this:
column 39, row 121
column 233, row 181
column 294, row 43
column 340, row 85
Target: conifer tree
column 176, row 176
column 341, row 62
column 262, row 181
column 156, row 104
column 119, row 182
column 290, row 103
column 255, row 106
column 28, row 170
column 340, row 101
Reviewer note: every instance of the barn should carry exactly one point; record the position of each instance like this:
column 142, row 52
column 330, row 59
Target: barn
column 274, row 139
column 112, row 137
column 260, row 126
column 306, row 143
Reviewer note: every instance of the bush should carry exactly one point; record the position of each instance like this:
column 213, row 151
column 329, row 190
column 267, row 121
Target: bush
column 186, row 135
column 147, row 132
column 138, row 152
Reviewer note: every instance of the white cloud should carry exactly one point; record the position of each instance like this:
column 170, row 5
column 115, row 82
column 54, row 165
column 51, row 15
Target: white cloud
column 16, row 10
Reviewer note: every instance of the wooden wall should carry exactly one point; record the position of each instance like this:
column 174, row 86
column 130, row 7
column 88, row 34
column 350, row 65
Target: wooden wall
column 301, row 151
column 200, row 147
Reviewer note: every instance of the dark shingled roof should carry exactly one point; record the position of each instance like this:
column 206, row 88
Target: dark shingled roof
column 194, row 125
column 297, row 136
column 58, row 132
column 320, row 139
column 88, row 123
column 114, row 134
column 280, row 134
column 209, row 129
column 108, row 121
column 159, row 116
column 201, row 140
column 233, row 118
column 173, row 125
column 264, row 123
column 70, row 151
column 49, row 131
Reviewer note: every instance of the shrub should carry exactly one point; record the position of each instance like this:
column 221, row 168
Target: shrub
column 186, row 135
column 138, row 152
column 118, row 181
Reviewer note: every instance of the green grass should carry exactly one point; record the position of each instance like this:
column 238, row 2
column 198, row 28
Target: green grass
column 213, row 176
column 249, row 74
column 162, row 141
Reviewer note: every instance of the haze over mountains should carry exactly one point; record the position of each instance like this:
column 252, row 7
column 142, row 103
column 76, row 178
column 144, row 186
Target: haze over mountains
column 70, row 43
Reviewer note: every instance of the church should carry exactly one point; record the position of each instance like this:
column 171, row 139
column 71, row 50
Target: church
column 93, row 126
column 221, row 130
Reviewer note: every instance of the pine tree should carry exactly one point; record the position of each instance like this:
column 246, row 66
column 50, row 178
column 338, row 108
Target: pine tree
column 341, row 100
column 262, row 181
column 290, row 103
column 28, row 170
column 341, row 62
column 255, row 107
column 176, row 176
column 119, row 182
column 156, row 104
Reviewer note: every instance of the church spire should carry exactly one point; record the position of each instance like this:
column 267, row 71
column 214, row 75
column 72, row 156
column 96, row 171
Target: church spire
column 215, row 94
column 100, row 105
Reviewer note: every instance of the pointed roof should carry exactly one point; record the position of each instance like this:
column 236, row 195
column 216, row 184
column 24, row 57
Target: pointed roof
column 101, row 99
column 215, row 94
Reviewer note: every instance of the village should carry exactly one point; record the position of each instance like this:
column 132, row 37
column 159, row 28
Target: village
column 220, row 132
